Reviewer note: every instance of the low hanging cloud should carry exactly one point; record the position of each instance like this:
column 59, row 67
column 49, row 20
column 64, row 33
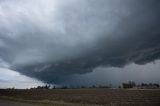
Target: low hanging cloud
column 52, row 40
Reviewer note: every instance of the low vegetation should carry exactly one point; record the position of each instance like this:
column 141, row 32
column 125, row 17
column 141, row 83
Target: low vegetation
column 89, row 96
column 130, row 84
column 128, row 94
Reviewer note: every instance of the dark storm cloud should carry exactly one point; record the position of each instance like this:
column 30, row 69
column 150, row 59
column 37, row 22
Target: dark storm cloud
column 148, row 73
column 54, row 40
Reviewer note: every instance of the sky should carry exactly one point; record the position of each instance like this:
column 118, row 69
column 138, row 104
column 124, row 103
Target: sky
column 78, row 42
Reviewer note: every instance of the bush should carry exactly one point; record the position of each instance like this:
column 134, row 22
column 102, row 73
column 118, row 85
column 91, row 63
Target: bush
column 130, row 84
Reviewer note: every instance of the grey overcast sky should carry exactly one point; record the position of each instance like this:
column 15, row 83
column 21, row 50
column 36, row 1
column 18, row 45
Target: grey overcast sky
column 70, row 42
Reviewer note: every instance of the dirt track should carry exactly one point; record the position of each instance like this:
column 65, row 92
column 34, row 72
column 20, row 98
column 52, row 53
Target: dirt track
column 12, row 103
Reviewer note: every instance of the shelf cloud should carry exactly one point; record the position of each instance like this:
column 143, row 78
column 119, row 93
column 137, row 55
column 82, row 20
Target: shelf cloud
column 53, row 40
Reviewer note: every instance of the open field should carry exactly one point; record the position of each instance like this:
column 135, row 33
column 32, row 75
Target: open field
column 8, row 101
column 13, row 103
column 109, row 97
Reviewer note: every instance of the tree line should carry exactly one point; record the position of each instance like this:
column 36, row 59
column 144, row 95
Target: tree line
column 130, row 84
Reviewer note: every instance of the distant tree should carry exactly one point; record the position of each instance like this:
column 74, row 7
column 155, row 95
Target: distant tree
column 144, row 85
column 150, row 85
column 156, row 85
column 54, row 87
column 125, row 85
column 130, row 84
column 43, row 87
column 47, row 86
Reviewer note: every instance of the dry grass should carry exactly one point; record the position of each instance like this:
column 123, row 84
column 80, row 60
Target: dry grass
column 45, row 102
column 87, row 97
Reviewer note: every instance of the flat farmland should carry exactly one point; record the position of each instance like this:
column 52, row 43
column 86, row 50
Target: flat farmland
column 111, row 97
